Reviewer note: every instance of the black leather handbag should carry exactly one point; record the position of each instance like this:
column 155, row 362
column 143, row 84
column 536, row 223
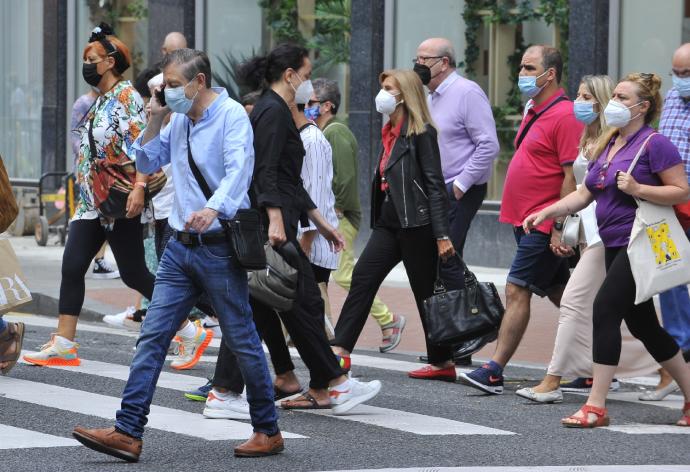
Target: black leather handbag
column 276, row 285
column 456, row 316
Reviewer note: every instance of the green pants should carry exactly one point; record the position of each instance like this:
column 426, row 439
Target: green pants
column 343, row 274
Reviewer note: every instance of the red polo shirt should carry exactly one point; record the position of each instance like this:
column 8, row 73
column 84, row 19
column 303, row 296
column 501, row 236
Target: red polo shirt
column 535, row 174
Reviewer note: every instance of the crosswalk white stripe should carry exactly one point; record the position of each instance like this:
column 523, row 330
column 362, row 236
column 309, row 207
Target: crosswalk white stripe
column 412, row 422
column 638, row 428
column 179, row 382
column 561, row 468
column 19, row 438
column 103, row 406
column 375, row 416
column 673, row 402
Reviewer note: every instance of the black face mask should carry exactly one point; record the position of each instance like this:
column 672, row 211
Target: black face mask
column 424, row 72
column 90, row 74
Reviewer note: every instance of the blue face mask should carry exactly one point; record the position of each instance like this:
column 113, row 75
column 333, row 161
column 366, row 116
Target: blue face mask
column 584, row 112
column 177, row 101
column 528, row 85
column 682, row 84
column 312, row 113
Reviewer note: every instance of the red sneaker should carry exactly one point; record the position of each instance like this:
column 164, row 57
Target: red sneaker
column 429, row 373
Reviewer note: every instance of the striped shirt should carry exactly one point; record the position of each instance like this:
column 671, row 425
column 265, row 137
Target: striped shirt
column 317, row 178
column 675, row 124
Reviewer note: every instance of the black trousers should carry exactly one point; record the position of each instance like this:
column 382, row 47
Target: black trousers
column 85, row 239
column 162, row 235
column 615, row 302
column 228, row 374
column 305, row 324
column 417, row 249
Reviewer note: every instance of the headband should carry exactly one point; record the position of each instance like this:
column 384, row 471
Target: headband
column 100, row 33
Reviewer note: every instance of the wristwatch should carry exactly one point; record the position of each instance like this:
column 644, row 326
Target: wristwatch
column 443, row 238
column 558, row 225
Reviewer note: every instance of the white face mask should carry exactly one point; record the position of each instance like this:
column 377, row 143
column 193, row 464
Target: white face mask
column 304, row 92
column 618, row 115
column 385, row 102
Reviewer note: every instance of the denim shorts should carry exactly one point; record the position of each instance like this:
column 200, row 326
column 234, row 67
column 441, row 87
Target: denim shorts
column 535, row 266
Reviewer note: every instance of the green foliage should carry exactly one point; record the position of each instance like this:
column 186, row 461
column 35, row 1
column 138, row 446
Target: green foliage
column 281, row 17
column 226, row 77
column 488, row 12
column 331, row 39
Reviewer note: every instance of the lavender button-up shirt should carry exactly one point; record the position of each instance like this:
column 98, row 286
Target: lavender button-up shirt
column 466, row 131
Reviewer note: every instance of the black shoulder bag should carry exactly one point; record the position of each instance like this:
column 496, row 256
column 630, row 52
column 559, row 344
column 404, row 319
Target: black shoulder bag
column 244, row 231
column 456, row 316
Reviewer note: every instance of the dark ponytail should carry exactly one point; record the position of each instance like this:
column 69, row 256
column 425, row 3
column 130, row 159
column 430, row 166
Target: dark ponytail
column 261, row 71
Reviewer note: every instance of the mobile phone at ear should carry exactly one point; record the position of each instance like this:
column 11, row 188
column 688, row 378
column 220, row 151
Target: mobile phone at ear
column 160, row 96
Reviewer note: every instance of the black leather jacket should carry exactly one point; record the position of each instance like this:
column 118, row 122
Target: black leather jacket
column 415, row 183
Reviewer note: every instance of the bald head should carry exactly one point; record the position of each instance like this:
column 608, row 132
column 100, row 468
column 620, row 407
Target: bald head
column 681, row 59
column 439, row 55
column 173, row 41
column 437, row 47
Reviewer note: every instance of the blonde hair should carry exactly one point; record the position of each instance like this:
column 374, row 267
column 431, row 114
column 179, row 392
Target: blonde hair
column 648, row 89
column 414, row 100
column 601, row 88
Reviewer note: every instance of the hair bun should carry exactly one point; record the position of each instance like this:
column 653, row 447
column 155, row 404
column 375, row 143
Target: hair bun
column 100, row 32
column 253, row 72
column 654, row 83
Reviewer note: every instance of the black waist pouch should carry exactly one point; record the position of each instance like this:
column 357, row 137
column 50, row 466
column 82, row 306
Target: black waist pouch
column 246, row 236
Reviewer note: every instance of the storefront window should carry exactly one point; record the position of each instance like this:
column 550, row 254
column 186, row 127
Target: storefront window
column 21, row 89
column 233, row 32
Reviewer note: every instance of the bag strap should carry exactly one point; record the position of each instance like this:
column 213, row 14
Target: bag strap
column 639, row 153
column 523, row 134
column 195, row 170
column 440, row 287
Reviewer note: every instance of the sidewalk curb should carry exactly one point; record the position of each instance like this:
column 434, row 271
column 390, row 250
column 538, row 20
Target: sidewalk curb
column 46, row 305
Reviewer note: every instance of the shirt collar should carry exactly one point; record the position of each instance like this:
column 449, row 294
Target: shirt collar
column 389, row 130
column 116, row 89
column 219, row 100
column 537, row 108
column 447, row 83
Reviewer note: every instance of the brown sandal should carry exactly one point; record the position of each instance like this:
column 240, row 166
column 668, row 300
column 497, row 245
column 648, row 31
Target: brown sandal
column 10, row 339
column 298, row 403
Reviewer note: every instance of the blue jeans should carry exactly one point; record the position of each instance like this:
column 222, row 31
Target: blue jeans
column 3, row 324
column 184, row 273
column 675, row 313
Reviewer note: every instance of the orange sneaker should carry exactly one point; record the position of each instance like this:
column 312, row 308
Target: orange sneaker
column 58, row 351
column 191, row 350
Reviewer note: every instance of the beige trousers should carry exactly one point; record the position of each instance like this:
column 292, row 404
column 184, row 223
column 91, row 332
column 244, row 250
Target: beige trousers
column 572, row 353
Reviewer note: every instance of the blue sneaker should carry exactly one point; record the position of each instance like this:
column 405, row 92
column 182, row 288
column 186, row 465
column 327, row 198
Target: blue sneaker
column 201, row 393
column 485, row 379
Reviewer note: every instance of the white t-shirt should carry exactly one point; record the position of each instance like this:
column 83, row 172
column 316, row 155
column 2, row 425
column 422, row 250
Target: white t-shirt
column 588, row 217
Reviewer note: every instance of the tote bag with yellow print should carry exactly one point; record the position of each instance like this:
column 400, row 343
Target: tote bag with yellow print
column 658, row 250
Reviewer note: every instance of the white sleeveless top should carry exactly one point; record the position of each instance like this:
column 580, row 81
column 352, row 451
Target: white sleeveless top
column 588, row 216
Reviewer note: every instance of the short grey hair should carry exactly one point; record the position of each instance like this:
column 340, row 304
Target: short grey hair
column 327, row 90
column 448, row 51
column 193, row 62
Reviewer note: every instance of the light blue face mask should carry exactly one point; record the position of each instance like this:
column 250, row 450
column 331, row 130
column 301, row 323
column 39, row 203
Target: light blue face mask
column 584, row 112
column 177, row 101
column 528, row 85
column 682, row 85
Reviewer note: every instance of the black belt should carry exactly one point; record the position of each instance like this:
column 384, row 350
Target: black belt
column 196, row 239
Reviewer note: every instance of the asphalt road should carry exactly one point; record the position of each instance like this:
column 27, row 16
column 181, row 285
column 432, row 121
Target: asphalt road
column 413, row 424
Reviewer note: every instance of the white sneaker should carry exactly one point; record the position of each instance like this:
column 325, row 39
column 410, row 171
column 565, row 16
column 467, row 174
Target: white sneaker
column 660, row 394
column 357, row 393
column 102, row 269
column 129, row 319
column 211, row 323
column 228, row 406
column 554, row 396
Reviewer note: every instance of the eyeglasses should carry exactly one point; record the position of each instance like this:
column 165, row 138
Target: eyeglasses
column 422, row 59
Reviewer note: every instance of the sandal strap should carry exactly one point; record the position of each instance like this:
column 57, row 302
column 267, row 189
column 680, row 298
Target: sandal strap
column 310, row 398
column 598, row 411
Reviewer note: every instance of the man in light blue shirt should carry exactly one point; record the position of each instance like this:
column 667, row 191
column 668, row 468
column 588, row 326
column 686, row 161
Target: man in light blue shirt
column 197, row 258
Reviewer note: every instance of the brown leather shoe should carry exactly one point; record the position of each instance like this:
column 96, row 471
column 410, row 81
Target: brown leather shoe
column 260, row 445
column 109, row 441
